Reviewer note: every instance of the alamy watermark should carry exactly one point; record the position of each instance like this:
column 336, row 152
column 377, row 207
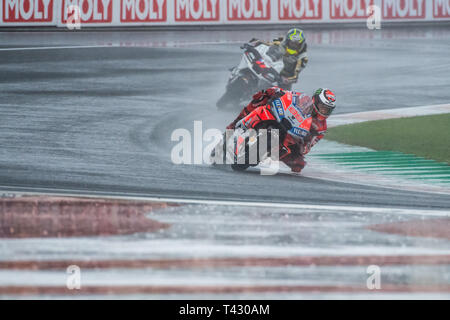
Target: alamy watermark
column 73, row 281
column 239, row 146
column 374, row 280
column 374, row 19
column 73, row 17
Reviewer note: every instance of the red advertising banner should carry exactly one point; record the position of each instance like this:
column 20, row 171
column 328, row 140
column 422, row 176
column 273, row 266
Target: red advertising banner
column 299, row 9
column 101, row 13
column 349, row 9
column 27, row 11
column 197, row 10
column 441, row 8
column 404, row 9
column 143, row 10
column 90, row 11
column 248, row 10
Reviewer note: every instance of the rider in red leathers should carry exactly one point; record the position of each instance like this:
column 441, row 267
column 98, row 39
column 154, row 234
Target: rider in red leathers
column 324, row 102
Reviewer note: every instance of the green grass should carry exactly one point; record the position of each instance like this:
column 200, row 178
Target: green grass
column 427, row 136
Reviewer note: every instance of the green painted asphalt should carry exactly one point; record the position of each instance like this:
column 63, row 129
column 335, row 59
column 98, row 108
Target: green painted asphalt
column 391, row 163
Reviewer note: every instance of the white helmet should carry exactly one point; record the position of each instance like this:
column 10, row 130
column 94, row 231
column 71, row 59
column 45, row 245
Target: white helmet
column 324, row 102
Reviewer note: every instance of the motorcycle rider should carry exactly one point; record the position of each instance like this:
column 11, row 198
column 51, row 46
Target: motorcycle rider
column 293, row 50
column 323, row 104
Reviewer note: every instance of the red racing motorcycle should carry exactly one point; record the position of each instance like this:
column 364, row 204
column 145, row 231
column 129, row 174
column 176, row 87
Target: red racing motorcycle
column 274, row 131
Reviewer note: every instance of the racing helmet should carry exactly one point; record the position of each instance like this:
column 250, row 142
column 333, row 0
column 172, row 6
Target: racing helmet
column 324, row 103
column 294, row 42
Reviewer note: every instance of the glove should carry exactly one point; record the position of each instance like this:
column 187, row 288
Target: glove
column 279, row 39
column 259, row 97
column 263, row 96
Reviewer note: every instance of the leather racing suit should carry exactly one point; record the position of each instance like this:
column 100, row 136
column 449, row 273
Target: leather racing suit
column 293, row 64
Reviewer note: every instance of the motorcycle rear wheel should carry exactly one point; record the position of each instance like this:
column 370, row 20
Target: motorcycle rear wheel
column 243, row 167
column 233, row 94
column 239, row 167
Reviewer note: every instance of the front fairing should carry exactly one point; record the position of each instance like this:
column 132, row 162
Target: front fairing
column 292, row 116
column 247, row 61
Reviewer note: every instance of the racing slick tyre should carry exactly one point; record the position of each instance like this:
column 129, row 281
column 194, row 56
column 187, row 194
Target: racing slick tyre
column 233, row 94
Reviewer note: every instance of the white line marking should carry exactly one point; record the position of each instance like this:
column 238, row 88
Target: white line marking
column 116, row 45
column 119, row 196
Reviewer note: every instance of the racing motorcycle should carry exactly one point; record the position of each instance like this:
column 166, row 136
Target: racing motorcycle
column 278, row 128
column 259, row 69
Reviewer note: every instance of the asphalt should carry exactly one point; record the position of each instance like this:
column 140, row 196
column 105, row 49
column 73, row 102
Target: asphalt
column 98, row 119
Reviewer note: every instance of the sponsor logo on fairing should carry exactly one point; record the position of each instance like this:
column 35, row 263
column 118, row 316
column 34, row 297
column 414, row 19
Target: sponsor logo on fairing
column 296, row 113
column 299, row 132
column 143, row 10
column 279, row 106
column 73, row 281
column 441, row 8
column 404, row 9
column 91, row 11
column 27, row 10
column 299, row 9
column 197, row 10
column 344, row 9
column 248, row 9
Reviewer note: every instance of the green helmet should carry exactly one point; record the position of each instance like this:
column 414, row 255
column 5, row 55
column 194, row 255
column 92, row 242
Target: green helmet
column 294, row 42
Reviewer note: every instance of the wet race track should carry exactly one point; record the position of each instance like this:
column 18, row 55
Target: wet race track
column 93, row 114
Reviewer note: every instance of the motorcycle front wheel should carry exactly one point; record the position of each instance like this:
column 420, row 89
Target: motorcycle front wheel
column 268, row 144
